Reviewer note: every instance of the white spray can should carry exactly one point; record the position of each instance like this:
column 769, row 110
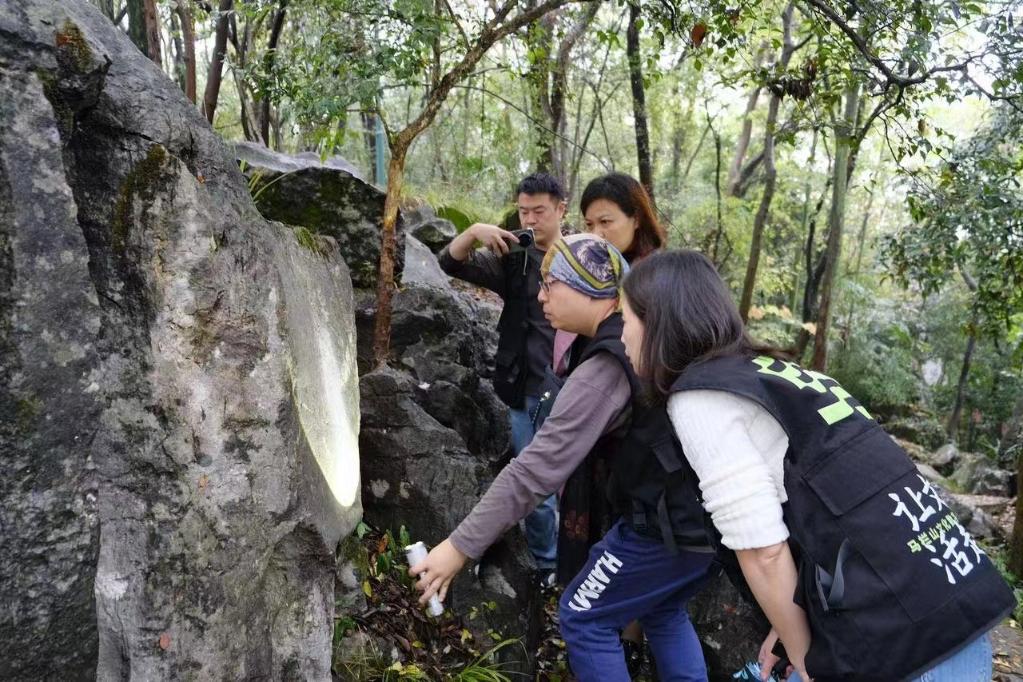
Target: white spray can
column 415, row 554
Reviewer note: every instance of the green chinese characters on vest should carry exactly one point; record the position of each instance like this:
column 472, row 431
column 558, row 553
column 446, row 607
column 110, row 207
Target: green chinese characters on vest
column 800, row 378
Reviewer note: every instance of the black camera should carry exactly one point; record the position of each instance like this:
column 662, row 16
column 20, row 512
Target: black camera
column 525, row 237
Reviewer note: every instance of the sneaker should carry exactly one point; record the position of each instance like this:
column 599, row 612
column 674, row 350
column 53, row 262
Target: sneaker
column 546, row 578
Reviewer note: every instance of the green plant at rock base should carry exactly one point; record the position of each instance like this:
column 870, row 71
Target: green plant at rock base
column 485, row 669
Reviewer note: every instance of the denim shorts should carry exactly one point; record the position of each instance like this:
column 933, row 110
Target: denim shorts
column 972, row 663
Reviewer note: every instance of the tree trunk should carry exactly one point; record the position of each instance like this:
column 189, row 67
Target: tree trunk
column 559, row 86
column 844, row 134
column 1015, row 559
column 276, row 26
column 137, row 25
column 151, row 16
column 178, row 51
column 804, row 221
column 188, row 39
column 107, row 7
column 388, row 242
column 770, row 173
column 646, row 175
column 539, row 40
column 1012, row 427
column 760, row 220
column 742, row 145
column 216, row 70
column 952, row 428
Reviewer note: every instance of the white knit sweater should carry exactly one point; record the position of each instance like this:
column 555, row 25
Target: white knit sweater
column 737, row 450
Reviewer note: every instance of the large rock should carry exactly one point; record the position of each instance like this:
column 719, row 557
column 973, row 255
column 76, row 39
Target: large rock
column 731, row 628
column 324, row 197
column 421, row 267
column 178, row 390
column 978, row 475
column 433, row 231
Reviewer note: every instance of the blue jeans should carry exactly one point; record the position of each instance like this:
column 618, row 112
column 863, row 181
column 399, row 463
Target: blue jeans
column 542, row 523
column 629, row 577
column 970, row 664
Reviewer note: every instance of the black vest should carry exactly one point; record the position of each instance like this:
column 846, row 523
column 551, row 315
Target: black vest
column 891, row 582
column 511, row 365
column 647, row 486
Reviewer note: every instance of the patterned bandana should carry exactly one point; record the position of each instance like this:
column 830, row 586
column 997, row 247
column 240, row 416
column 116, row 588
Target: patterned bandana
column 586, row 263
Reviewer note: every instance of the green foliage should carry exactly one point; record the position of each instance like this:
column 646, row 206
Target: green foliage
column 967, row 217
column 999, row 559
column 878, row 373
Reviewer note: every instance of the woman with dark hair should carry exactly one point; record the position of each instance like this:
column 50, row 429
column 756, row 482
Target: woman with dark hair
column 860, row 566
column 616, row 207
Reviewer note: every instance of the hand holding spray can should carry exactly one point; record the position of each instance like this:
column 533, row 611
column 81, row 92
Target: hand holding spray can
column 415, row 554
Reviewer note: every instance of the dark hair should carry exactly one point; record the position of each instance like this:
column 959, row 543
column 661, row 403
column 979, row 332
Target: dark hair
column 630, row 196
column 688, row 316
column 541, row 183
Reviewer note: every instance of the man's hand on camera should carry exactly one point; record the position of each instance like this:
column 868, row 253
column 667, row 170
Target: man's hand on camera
column 493, row 237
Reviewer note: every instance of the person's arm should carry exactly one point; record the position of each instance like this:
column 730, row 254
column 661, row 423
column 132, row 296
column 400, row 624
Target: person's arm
column 737, row 450
column 771, row 575
column 591, row 402
column 479, row 266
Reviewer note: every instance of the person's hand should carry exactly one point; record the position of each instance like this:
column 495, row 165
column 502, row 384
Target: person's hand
column 493, row 237
column 438, row 570
column 765, row 658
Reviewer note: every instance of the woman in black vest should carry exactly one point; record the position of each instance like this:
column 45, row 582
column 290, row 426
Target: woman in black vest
column 861, row 567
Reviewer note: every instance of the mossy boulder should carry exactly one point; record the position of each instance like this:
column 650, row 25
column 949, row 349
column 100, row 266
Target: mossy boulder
column 326, row 197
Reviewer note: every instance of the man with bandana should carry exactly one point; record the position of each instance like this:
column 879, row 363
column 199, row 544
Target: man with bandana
column 655, row 557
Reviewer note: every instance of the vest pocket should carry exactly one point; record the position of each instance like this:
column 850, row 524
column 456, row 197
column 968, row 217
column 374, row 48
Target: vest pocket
column 903, row 540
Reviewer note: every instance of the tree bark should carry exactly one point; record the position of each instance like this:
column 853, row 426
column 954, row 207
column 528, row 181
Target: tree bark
column 216, row 71
column 844, row 135
column 952, row 428
column 632, row 48
column 188, row 39
column 152, row 23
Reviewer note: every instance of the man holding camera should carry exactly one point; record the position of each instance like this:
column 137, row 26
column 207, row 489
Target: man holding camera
column 509, row 265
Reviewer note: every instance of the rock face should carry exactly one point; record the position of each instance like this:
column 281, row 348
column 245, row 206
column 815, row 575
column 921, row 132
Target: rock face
column 327, row 197
column 181, row 451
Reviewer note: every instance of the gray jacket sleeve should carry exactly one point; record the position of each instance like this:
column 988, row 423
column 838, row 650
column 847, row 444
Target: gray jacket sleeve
column 482, row 268
column 592, row 402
